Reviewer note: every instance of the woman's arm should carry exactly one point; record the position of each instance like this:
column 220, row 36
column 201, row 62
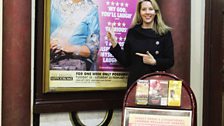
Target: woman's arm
column 93, row 40
column 123, row 56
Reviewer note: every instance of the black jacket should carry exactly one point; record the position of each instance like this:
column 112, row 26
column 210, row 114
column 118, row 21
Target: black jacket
column 142, row 40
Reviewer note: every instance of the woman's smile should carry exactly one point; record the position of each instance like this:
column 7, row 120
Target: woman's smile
column 147, row 13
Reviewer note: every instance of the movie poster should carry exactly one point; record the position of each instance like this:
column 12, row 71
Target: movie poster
column 79, row 59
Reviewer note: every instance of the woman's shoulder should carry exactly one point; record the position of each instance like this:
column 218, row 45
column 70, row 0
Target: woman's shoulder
column 56, row 4
column 92, row 4
column 167, row 34
column 144, row 32
column 92, row 7
column 134, row 28
column 137, row 26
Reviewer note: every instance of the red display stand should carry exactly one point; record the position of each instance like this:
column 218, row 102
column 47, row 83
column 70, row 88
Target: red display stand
column 188, row 101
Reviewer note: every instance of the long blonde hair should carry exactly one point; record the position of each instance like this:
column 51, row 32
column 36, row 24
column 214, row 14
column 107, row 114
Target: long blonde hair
column 159, row 26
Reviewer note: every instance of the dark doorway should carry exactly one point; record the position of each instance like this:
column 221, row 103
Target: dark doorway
column 213, row 62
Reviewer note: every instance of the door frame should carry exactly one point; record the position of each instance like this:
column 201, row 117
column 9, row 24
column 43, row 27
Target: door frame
column 212, row 96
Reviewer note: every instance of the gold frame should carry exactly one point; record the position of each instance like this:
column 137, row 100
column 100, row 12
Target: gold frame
column 46, row 38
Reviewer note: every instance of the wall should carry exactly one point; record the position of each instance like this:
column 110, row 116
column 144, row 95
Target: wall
column 32, row 58
column 197, row 51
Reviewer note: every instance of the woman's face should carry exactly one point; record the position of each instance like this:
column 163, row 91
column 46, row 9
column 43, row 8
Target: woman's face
column 147, row 13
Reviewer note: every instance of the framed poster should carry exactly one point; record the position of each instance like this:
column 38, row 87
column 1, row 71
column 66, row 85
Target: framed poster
column 156, row 117
column 97, row 82
column 75, row 46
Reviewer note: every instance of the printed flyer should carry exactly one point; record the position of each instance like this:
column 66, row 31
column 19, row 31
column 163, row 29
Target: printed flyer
column 156, row 117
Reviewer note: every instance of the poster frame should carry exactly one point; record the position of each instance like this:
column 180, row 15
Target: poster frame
column 68, row 80
column 46, row 101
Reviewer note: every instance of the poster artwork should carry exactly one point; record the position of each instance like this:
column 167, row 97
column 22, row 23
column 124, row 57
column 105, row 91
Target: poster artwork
column 79, row 56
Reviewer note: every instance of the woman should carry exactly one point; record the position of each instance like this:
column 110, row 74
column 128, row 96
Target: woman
column 74, row 34
column 148, row 46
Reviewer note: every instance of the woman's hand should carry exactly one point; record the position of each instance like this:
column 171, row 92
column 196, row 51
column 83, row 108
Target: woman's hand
column 111, row 36
column 59, row 46
column 66, row 48
column 55, row 46
column 69, row 48
column 147, row 58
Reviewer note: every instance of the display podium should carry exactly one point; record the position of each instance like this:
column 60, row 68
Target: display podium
column 184, row 114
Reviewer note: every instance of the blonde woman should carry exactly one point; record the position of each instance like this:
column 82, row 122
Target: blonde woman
column 148, row 46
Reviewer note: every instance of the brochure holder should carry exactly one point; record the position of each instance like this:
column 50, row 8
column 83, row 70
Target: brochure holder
column 184, row 115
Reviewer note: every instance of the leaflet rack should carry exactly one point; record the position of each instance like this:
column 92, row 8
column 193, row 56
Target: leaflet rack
column 188, row 103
